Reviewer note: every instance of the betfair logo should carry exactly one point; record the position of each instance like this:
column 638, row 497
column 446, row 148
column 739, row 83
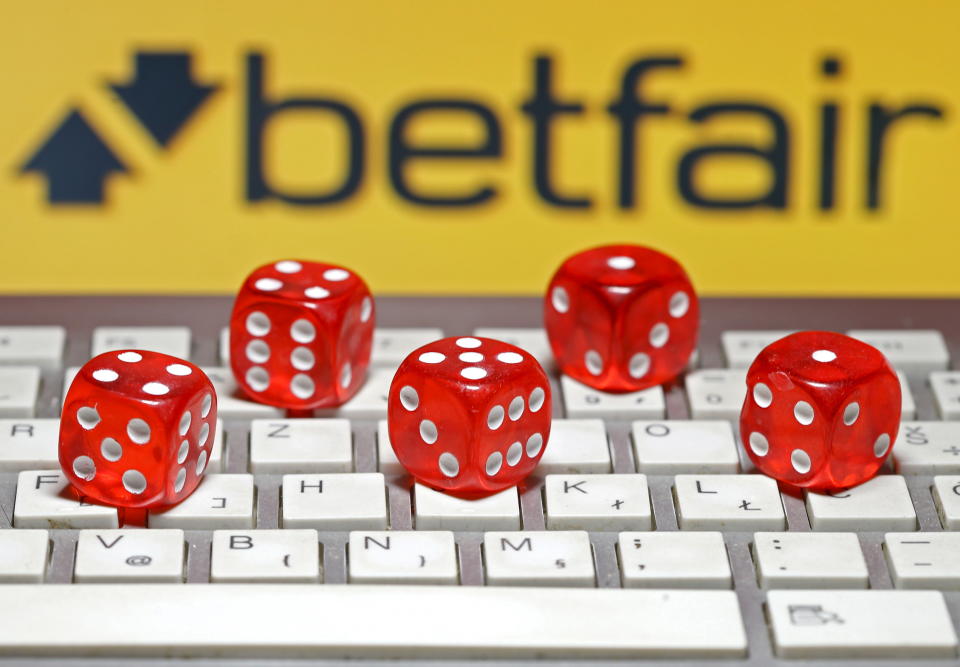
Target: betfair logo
column 163, row 96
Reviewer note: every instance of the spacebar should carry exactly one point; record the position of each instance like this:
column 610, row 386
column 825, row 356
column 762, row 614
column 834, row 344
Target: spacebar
column 366, row 621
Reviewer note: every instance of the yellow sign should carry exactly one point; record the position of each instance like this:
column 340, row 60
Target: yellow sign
column 449, row 147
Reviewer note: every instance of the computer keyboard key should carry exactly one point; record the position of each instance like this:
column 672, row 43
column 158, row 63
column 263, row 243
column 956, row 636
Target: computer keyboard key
column 265, row 556
column 223, row 347
column 916, row 352
column 402, row 557
column 882, row 503
column 300, row 446
column 908, row 407
column 538, row 558
column 174, row 341
column 220, row 501
column 24, row 555
column 19, row 390
column 580, row 401
column 391, row 346
column 740, row 348
column 357, row 621
column 673, row 446
column 368, row 403
column 716, row 393
column 32, row 346
column 946, row 393
column 335, row 501
column 924, row 560
column 728, row 502
column 533, row 341
column 860, row 624
column 597, row 502
column 674, row 560
column 232, row 403
column 388, row 463
column 928, row 447
column 946, row 494
column 29, row 444
column 809, row 560
column 45, row 499
column 128, row 556
column 576, row 446
column 434, row 510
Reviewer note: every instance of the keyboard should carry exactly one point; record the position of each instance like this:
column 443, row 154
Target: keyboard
column 644, row 536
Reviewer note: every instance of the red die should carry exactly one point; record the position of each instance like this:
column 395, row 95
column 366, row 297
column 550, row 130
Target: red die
column 137, row 429
column 469, row 416
column 301, row 333
column 822, row 410
column 621, row 318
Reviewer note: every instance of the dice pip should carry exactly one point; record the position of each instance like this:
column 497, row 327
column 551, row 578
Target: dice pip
column 137, row 429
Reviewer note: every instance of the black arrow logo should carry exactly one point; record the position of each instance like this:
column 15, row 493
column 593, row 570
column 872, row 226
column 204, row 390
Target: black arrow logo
column 162, row 93
column 76, row 162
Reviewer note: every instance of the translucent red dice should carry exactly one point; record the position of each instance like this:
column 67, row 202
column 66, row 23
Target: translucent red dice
column 469, row 416
column 301, row 334
column 621, row 318
column 821, row 412
column 137, row 429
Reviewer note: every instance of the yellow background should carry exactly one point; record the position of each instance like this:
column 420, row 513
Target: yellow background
column 179, row 221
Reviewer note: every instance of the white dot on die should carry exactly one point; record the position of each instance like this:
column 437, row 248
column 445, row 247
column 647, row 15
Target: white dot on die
column 268, row 284
column 679, row 304
column 303, row 331
column 851, row 413
column 316, row 292
column 537, row 397
column 302, row 386
column 185, row 422
column 824, row 356
column 130, row 357
column 509, row 357
column 366, row 309
column 105, row 375
column 449, row 465
column 204, row 434
column 180, row 481
column 473, row 373
column 593, row 362
column 494, row 462
column 560, row 300
column 258, row 324
column 881, row 446
column 803, row 412
column 431, row 357
column 495, row 417
column 201, row 463
column 516, row 408
column 288, row 266
column 302, row 358
column 514, row 453
column 138, row 431
column 110, row 449
column 471, row 357
column 409, row 398
column 469, row 343
column 183, row 451
column 800, row 461
column 134, row 482
column 346, row 375
column 88, row 418
column 762, row 395
column 428, row 431
column 659, row 334
column 335, row 275
column 639, row 365
column 156, row 388
column 534, row 445
column 205, row 407
column 84, row 468
column 759, row 443
column 257, row 378
column 621, row 263
column 180, row 370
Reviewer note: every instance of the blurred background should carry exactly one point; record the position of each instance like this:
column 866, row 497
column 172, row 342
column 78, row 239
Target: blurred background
column 467, row 148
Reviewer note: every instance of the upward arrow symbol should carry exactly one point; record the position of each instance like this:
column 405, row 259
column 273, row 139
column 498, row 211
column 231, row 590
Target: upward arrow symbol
column 76, row 162
column 162, row 93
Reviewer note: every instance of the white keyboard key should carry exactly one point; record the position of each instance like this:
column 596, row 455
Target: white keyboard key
column 916, row 352
column 946, row 493
column 946, row 393
column 882, row 503
column 716, row 393
column 440, row 511
column 671, row 447
column 391, row 346
column 924, row 560
column 925, row 448
column 19, row 389
column 128, row 556
column 217, row 450
column 728, row 502
column 335, row 501
column 860, row 624
column 389, row 463
column 45, row 499
column 576, row 446
column 809, row 560
column 403, row 557
column 68, row 376
column 740, row 348
column 339, row 621
column 220, row 501
column 538, row 558
column 266, row 556
column 579, row 400
column 29, row 444
column 597, row 502
column 674, row 560
column 32, row 346
column 174, row 341
column 223, row 347
column 908, row 408
column 232, row 403
column 371, row 401
column 534, row 341
column 23, row 555
column 300, row 446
